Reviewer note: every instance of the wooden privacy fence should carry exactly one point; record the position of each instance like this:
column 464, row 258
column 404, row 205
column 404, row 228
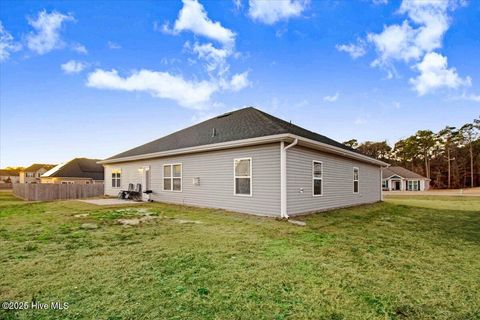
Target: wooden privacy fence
column 5, row 186
column 52, row 191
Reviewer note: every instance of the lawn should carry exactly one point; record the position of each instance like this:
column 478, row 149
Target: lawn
column 401, row 259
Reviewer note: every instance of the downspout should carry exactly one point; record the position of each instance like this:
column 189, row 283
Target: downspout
column 283, row 177
column 381, row 184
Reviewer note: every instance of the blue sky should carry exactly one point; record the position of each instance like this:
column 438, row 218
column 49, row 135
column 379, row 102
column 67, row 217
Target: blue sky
column 91, row 79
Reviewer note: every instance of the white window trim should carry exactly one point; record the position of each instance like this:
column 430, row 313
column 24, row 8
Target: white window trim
column 413, row 185
column 358, row 180
column 171, row 177
column 235, row 178
column 119, row 179
column 313, row 178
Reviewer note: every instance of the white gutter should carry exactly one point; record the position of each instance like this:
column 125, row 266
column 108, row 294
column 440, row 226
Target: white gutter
column 336, row 150
column 283, row 177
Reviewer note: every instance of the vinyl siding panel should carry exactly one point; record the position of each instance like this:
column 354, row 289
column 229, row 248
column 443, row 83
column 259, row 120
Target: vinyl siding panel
column 215, row 170
column 337, row 181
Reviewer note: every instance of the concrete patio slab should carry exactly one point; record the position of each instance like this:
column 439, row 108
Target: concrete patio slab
column 110, row 202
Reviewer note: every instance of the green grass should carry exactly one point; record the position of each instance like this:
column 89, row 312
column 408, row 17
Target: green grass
column 401, row 259
column 438, row 202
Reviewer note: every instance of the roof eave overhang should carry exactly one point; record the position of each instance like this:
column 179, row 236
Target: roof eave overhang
column 338, row 151
column 406, row 178
column 250, row 142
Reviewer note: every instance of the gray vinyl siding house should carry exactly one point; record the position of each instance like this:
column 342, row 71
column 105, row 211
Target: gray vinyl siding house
column 248, row 161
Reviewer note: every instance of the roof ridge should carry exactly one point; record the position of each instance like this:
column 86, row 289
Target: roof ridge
column 269, row 117
column 244, row 123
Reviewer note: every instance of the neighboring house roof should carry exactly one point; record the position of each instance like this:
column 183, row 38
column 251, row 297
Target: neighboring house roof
column 37, row 166
column 242, row 124
column 77, row 168
column 400, row 171
column 10, row 173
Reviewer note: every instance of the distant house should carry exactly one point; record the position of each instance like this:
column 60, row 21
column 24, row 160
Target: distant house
column 401, row 179
column 9, row 176
column 32, row 174
column 248, row 161
column 75, row 171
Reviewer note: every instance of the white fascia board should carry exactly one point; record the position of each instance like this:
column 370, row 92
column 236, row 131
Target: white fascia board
column 336, row 150
column 48, row 173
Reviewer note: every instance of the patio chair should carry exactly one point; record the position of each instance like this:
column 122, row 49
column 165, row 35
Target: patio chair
column 134, row 193
column 125, row 194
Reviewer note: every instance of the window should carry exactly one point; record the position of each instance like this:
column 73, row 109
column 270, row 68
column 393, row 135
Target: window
column 172, row 177
column 384, row 184
column 67, row 182
column 317, row 176
column 355, row 180
column 116, row 174
column 413, row 185
column 242, row 176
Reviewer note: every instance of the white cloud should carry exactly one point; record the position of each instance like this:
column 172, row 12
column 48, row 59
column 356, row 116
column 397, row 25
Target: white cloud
column 332, row 98
column 237, row 4
column 435, row 74
column 360, row 121
column 73, row 66
column 414, row 43
column 46, row 34
column 421, row 33
column 192, row 94
column 7, row 44
column 354, row 50
column 269, row 12
column 189, row 93
column 215, row 58
column 193, row 17
column 471, row 97
column 113, row 45
column 395, row 43
column 79, row 48
column 239, row 81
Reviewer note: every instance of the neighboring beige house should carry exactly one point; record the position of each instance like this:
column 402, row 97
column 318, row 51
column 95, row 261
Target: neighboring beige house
column 32, row 174
column 75, row 171
column 9, row 176
column 401, row 179
column 248, row 161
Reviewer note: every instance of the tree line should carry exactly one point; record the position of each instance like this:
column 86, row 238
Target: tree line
column 449, row 157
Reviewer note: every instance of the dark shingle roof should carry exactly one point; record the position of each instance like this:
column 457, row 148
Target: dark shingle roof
column 8, row 172
column 37, row 166
column 402, row 172
column 237, row 125
column 77, row 168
